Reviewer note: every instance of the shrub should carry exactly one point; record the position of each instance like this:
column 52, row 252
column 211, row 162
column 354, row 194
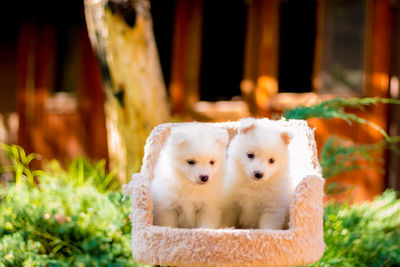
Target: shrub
column 62, row 225
column 365, row 235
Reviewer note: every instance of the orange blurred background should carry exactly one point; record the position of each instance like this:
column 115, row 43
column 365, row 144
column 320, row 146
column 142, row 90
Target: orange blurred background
column 221, row 60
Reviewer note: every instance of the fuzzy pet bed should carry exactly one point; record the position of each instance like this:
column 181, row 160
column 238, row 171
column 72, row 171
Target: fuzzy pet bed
column 302, row 243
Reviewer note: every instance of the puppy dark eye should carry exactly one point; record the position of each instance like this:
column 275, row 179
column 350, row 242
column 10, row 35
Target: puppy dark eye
column 271, row 161
column 191, row 162
column 250, row 155
column 212, row 162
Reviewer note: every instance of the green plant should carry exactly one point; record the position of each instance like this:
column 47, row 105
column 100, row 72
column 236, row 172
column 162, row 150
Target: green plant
column 71, row 219
column 335, row 108
column 364, row 235
column 337, row 157
column 20, row 164
column 81, row 171
column 60, row 224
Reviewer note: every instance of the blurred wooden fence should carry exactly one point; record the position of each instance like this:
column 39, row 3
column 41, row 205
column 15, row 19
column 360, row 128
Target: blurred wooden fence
column 55, row 124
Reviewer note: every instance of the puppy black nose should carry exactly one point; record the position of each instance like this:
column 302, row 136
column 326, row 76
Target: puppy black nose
column 258, row 174
column 204, row 178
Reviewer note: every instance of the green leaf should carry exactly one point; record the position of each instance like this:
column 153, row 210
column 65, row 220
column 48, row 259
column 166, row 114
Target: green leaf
column 337, row 158
column 22, row 155
column 335, row 108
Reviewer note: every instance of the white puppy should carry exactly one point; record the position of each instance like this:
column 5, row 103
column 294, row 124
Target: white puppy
column 187, row 188
column 257, row 185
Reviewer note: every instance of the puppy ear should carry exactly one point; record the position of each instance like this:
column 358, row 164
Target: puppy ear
column 222, row 137
column 179, row 138
column 246, row 125
column 286, row 137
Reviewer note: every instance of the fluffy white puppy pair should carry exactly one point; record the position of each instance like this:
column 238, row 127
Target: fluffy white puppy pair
column 195, row 186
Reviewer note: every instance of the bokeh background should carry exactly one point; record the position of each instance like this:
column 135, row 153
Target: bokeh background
column 220, row 60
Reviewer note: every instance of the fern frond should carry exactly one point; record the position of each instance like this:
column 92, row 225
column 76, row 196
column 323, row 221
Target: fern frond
column 337, row 158
column 335, row 108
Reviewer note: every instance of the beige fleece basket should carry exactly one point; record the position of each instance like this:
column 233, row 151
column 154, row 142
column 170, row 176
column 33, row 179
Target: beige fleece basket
column 301, row 244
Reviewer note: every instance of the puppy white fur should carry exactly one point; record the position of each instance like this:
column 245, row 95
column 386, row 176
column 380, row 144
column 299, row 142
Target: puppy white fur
column 257, row 185
column 187, row 188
